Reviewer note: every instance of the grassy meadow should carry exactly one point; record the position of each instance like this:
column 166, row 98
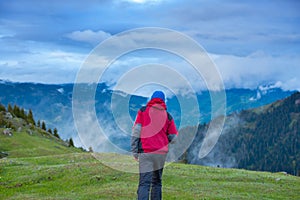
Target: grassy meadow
column 42, row 167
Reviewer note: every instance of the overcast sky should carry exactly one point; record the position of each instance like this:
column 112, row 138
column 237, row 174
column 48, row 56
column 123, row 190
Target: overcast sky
column 251, row 42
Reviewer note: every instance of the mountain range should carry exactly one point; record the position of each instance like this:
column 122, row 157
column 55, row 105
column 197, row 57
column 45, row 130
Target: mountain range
column 52, row 103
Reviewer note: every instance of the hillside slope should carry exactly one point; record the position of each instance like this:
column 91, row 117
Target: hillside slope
column 21, row 138
column 263, row 139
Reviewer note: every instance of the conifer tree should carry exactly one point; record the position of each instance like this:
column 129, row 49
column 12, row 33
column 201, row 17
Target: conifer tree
column 30, row 118
column 50, row 131
column 2, row 122
column 55, row 133
column 71, row 143
column 39, row 124
column 22, row 114
column 2, row 108
column 43, row 126
column 10, row 109
column 16, row 111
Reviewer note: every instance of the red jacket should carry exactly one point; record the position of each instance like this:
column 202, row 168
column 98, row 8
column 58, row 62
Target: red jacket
column 153, row 129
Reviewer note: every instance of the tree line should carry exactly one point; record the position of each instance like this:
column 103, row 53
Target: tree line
column 19, row 112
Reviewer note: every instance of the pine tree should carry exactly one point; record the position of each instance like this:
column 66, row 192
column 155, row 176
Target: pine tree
column 2, row 108
column 10, row 109
column 30, row 118
column 43, row 126
column 71, row 143
column 2, row 122
column 22, row 114
column 39, row 124
column 16, row 111
column 50, row 131
column 55, row 133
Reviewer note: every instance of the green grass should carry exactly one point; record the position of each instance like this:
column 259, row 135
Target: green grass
column 81, row 176
column 40, row 143
column 41, row 167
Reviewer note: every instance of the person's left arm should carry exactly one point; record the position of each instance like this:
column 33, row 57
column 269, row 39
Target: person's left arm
column 172, row 130
column 136, row 134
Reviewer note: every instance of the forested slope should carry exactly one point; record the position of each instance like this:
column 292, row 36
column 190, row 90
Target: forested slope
column 263, row 139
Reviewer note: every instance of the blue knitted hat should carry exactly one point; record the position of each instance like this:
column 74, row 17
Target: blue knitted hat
column 158, row 94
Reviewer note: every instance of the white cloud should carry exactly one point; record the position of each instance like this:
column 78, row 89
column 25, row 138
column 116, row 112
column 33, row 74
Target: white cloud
column 40, row 62
column 176, row 55
column 242, row 72
column 259, row 68
column 89, row 36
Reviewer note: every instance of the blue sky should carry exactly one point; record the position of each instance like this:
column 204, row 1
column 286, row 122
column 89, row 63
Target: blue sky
column 251, row 42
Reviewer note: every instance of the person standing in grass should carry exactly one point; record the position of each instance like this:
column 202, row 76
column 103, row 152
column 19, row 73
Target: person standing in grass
column 153, row 130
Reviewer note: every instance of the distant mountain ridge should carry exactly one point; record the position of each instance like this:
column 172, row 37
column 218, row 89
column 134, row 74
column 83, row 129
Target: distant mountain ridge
column 53, row 104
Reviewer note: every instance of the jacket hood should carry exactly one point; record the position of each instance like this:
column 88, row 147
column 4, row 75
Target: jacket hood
column 157, row 103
